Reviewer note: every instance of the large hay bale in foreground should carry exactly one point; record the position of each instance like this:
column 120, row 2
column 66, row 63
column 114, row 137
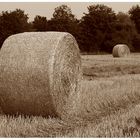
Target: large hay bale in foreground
column 121, row 50
column 40, row 73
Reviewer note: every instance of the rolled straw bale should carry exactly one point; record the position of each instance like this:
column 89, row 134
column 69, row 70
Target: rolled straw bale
column 40, row 73
column 121, row 50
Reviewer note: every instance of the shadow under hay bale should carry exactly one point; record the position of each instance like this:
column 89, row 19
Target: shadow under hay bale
column 40, row 74
column 121, row 50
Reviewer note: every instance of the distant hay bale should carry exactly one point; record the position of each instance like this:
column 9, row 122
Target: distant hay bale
column 40, row 73
column 121, row 50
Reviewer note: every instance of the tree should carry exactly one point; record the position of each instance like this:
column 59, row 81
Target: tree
column 94, row 27
column 63, row 20
column 40, row 23
column 63, row 12
column 136, row 42
column 12, row 23
column 122, row 32
column 135, row 16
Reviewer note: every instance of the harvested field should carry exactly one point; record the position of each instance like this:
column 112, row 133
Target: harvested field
column 99, row 66
column 109, row 106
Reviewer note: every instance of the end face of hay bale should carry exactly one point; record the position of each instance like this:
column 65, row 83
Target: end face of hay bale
column 121, row 50
column 40, row 73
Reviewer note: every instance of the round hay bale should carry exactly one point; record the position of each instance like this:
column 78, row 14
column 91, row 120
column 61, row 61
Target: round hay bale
column 40, row 73
column 120, row 50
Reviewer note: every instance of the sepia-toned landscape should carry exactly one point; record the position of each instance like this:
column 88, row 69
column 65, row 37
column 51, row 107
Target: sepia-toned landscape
column 70, row 77
column 110, row 104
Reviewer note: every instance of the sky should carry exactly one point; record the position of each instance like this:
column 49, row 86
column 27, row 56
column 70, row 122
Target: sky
column 47, row 8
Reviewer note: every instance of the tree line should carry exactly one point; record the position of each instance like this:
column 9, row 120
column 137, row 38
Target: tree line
column 97, row 31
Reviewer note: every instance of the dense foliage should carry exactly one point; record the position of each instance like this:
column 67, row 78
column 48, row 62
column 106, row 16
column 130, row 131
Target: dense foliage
column 97, row 31
column 40, row 23
column 12, row 23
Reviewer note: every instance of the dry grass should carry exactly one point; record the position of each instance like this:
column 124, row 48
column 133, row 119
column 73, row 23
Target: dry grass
column 120, row 124
column 108, row 95
column 99, row 66
column 109, row 107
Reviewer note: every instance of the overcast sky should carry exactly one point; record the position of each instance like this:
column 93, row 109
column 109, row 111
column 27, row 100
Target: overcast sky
column 47, row 8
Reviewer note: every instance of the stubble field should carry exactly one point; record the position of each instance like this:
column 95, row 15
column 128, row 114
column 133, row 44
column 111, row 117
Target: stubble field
column 109, row 105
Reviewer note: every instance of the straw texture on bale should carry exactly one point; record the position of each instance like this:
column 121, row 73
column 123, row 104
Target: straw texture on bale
column 121, row 50
column 40, row 73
